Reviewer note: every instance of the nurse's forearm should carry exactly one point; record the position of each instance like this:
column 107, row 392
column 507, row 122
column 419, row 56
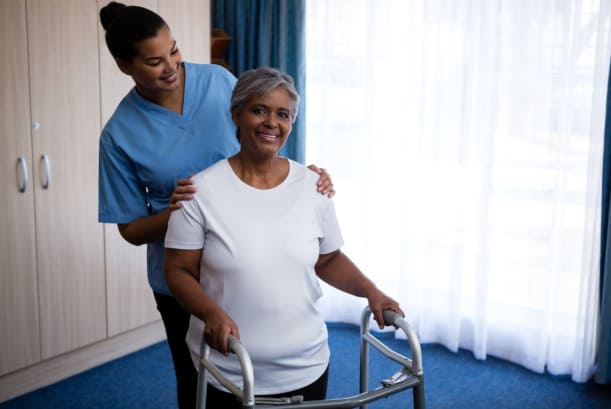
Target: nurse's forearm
column 146, row 229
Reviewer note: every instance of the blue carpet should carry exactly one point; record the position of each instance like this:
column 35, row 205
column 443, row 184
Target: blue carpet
column 145, row 379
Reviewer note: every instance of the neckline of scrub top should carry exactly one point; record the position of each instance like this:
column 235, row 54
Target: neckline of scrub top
column 167, row 115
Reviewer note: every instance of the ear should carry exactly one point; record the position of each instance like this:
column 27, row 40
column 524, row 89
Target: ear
column 123, row 66
column 234, row 117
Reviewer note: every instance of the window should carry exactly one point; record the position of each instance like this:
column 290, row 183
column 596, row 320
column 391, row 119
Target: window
column 465, row 141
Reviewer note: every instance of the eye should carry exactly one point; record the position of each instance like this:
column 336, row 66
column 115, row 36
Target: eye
column 154, row 63
column 284, row 115
column 174, row 51
column 258, row 110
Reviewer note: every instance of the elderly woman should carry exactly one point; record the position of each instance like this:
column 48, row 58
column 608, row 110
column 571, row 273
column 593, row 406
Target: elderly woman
column 245, row 255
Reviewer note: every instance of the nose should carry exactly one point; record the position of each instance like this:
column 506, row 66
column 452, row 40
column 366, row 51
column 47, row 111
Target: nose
column 169, row 65
column 171, row 62
column 271, row 121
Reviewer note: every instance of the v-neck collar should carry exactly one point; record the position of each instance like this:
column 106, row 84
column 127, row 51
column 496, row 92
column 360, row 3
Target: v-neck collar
column 167, row 115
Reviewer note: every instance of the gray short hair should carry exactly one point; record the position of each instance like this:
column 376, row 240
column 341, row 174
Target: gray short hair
column 259, row 82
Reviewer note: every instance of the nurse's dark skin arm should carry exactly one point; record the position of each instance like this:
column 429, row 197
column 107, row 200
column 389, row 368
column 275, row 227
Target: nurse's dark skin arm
column 152, row 228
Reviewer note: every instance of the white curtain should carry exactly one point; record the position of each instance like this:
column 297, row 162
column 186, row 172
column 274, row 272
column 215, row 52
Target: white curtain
column 464, row 138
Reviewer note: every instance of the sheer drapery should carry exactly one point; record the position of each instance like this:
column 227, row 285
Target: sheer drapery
column 465, row 141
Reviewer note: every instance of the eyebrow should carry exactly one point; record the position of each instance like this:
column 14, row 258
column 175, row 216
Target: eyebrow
column 267, row 107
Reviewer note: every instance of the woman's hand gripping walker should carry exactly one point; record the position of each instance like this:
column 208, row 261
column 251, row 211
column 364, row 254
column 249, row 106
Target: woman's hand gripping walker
column 410, row 376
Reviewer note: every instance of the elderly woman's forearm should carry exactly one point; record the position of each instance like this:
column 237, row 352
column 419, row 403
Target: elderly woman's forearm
column 337, row 270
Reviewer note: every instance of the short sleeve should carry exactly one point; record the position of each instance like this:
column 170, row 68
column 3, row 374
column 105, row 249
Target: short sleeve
column 332, row 239
column 121, row 198
column 186, row 227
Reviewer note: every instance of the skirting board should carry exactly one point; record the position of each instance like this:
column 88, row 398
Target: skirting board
column 55, row 369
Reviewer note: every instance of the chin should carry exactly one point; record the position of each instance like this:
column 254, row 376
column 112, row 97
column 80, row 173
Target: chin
column 172, row 87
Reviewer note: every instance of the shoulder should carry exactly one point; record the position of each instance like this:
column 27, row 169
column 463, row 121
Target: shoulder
column 302, row 171
column 217, row 170
column 209, row 72
column 308, row 179
column 124, row 117
column 212, row 181
column 212, row 69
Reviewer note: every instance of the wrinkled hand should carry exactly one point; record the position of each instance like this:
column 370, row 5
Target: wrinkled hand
column 218, row 327
column 184, row 191
column 378, row 302
column 324, row 184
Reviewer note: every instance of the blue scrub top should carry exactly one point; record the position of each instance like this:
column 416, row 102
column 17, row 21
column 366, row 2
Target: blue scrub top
column 145, row 149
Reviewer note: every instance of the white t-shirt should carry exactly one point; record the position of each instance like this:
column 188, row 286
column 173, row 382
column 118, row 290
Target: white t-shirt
column 259, row 251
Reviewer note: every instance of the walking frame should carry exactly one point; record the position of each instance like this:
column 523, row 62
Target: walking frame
column 410, row 376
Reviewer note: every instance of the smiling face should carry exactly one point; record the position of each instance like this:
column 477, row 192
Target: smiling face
column 265, row 123
column 156, row 68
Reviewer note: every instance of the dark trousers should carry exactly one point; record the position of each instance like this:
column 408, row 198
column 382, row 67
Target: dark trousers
column 176, row 322
column 218, row 399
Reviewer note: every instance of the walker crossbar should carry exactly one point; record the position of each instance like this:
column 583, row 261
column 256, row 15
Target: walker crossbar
column 410, row 376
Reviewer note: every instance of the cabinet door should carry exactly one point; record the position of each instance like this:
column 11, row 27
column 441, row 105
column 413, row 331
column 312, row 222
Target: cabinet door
column 65, row 101
column 129, row 297
column 19, row 333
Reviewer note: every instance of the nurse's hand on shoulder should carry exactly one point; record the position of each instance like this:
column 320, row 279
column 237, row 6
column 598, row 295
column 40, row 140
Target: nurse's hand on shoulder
column 218, row 327
column 184, row 191
column 324, row 185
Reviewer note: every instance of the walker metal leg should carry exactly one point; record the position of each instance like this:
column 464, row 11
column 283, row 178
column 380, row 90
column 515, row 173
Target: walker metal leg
column 418, row 391
column 364, row 350
column 202, row 389
column 202, row 381
column 415, row 367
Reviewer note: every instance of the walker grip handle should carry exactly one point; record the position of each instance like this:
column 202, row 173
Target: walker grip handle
column 390, row 317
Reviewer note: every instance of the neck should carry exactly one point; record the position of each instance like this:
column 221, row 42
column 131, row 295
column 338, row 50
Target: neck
column 171, row 100
column 265, row 174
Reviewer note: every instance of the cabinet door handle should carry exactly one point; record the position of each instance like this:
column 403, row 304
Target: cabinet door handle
column 45, row 171
column 22, row 174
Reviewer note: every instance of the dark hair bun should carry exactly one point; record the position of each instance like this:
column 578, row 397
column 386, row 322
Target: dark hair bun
column 109, row 12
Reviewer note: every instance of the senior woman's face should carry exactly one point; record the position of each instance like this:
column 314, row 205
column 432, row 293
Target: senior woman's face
column 265, row 122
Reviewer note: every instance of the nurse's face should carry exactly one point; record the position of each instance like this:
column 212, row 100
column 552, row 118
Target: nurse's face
column 156, row 69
